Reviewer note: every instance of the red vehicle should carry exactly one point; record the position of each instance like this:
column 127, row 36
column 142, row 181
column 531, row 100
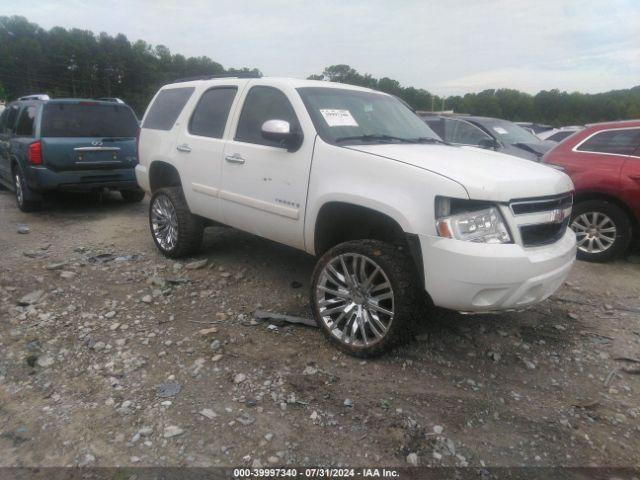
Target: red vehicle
column 603, row 160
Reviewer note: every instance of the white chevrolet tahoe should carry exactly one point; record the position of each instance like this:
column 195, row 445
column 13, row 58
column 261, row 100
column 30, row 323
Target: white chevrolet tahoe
column 354, row 177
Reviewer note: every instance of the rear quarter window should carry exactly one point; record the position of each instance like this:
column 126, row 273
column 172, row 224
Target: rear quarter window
column 616, row 142
column 166, row 108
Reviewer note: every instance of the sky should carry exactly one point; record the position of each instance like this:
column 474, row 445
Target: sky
column 448, row 47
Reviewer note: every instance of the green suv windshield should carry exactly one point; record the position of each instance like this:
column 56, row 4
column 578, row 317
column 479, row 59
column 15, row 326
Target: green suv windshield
column 344, row 117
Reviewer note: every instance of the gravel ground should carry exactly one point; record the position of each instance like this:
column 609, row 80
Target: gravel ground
column 111, row 354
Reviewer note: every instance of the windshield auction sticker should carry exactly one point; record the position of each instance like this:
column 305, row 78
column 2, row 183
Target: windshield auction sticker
column 338, row 118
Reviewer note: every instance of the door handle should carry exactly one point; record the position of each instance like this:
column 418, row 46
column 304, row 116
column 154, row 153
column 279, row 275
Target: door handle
column 183, row 147
column 235, row 158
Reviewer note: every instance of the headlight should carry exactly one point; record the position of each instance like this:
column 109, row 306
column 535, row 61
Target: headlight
column 471, row 221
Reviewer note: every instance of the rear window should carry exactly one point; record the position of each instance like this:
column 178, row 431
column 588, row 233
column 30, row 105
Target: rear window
column 617, row 142
column 166, row 108
column 88, row 120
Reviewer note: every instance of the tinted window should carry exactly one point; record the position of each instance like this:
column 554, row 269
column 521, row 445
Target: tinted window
column 619, row 142
column 166, row 108
column 461, row 132
column 26, row 122
column 210, row 116
column 436, row 124
column 556, row 137
column 262, row 104
column 88, row 120
column 12, row 117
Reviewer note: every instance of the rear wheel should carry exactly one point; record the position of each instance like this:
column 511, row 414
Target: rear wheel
column 27, row 199
column 364, row 296
column 175, row 230
column 132, row 196
column 603, row 230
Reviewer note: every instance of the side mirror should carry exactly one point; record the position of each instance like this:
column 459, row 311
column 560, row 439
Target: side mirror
column 488, row 143
column 280, row 131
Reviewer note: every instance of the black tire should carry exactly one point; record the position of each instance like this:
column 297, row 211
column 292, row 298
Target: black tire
column 26, row 199
column 618, row 217
column 398, row 268
column 189, row 227
column 132, row 196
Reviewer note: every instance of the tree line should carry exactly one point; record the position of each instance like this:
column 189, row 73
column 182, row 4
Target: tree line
column 548, row 106
column 79, row 63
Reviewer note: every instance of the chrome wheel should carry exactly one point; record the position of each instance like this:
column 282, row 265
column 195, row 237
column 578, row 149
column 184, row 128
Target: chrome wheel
column 164, row 222
column 19, row 192
column 595, row 232
column 355, row 300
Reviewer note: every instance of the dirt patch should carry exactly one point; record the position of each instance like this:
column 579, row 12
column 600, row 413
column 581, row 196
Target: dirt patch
column 80, row 368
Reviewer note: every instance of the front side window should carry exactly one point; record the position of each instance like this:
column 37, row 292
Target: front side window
column 464, row 133
column 262, row 104
column 345, row 116
column 12, row 116
column 167, row 108
column 88, row 119
column 210, row 115
column 617, row 142
column 26, row 122
column 3, row 120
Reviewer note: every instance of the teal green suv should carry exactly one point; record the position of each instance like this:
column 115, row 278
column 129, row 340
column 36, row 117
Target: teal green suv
column 67, row 144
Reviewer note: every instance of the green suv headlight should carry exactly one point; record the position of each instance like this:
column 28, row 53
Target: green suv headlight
column 471, row 221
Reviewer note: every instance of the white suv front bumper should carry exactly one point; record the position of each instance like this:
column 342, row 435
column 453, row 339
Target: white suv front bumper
column 479, row 277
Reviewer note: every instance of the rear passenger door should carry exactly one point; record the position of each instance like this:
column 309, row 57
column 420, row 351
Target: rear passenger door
column 630, row 177
column 264, row 184
column 201, row 144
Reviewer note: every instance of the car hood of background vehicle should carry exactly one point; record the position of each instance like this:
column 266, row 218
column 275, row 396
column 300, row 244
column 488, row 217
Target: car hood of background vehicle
column 485, row 174
column 541, row 147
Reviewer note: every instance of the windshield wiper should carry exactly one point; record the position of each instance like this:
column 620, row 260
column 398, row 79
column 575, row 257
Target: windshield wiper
column 428, row 140
column 389, row 138
column 372, row 137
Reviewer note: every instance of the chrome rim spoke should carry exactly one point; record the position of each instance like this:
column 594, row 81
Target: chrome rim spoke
column 164, row 223
column 595, row 232
column 19, row 196
column 355, row 299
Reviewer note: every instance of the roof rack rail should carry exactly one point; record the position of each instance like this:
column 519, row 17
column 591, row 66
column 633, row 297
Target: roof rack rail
column 111, row 99
column 37, row 96
column 221, row 75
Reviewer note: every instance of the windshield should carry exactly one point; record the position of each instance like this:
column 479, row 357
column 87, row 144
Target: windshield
column 344, row 117
column 508, row 132
column 88, row 120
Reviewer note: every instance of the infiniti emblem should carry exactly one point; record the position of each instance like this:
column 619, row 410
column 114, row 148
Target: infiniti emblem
column 96, row 143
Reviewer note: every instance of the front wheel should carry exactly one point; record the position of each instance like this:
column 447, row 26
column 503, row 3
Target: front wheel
column 364, row 296
column 603, row 230
column 175, row 230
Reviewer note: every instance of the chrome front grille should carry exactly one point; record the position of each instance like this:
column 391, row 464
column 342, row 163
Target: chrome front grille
column 542, row 221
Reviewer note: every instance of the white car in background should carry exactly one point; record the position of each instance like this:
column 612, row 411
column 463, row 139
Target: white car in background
column 559, row 134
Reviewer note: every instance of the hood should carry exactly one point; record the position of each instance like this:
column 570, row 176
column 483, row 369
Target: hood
column 485, row 174
column 536, row 148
